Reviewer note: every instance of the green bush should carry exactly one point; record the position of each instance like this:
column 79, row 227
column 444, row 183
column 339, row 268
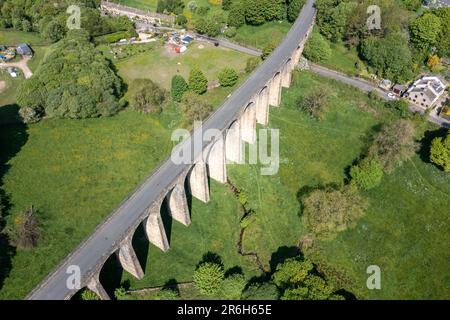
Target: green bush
column 202, row 11
column 194, row 108
column 167, row 294
column 440, row 152
column 399, row 106
column 252, row 64
column 236, row 17
column 89, row 295
column 261, row 291
column 367, row 174
column 179, row 87
column 294, row 8
column 146, row 96
column 228, row 77
column 317, row 48
column 328, row 212
column 197, row 81
column 233, row 285
column 230, row 32
column 267, row 50
column 181, row 20
column 208, row 278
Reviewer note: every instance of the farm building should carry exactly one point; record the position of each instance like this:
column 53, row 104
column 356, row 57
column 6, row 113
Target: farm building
column 24, row 50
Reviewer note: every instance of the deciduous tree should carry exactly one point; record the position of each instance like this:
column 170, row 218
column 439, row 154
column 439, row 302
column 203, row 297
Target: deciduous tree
column 208, row 278
column 328, row 212
column 440, row 152
column 228, row 77
column 179, row 87
column 197, row 81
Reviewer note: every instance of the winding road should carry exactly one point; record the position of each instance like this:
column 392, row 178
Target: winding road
column 368, row 86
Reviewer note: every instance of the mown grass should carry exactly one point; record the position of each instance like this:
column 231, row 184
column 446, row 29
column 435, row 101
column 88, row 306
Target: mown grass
column 160, row 66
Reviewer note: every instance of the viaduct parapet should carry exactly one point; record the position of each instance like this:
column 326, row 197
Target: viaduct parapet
column 235, row 120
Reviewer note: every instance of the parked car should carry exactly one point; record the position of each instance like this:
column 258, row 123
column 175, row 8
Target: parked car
column 392, row 96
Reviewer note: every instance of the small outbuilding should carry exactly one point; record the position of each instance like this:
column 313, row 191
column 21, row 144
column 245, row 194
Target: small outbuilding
column 24, row 50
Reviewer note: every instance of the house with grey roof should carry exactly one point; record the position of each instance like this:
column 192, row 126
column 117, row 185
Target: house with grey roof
column 426, row 91
column 24, row 50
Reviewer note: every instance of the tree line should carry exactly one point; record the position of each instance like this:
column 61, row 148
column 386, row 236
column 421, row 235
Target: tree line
column 50, row 18
column 407, row 37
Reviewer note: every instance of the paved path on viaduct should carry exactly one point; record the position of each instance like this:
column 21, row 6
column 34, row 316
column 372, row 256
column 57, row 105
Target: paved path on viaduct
column 236, row 120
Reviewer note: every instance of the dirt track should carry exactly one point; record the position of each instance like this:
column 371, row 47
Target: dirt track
column 22, row 65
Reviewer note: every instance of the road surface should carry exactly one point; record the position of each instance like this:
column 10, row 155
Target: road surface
column 104, row 240
column 368, row 86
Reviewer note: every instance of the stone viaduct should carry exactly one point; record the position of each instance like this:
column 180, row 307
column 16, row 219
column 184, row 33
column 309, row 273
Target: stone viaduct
column 236, row 121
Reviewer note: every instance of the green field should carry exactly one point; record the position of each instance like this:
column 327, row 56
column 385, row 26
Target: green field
column 160, row 66
column 260, row 36
column 406, row 229
column 214, row 228
column 89, row 166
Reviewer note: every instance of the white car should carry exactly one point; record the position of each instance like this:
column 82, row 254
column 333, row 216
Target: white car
column 391, row 96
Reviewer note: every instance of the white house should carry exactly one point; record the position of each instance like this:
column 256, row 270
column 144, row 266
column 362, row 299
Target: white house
column 426, row 91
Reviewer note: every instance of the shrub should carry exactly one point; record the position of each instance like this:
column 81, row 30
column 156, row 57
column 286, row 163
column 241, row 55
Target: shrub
column 267, row 50
column 197, row 81
column 252, row 64
column 228, row 77
column 328, row 212
column 202, row 11
column 27, row 231
column 236, row 17
column 367, row 174
column 29, row 115
column 167, row 294
column 317, row 48
column 261, row 291
column 89, row 295
column 399, row 106
column 147, row 96
column 394, row 144
column 194, row 108
column 181, row 20
column 230, row 32
column 208, row 278
column 226, row 4
column 233, row 285
column 315, row 102
column 291, row 272
column 248, row 219
column 179, row 87
column 293, row 9
column 440, row 152
column 120, row 293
